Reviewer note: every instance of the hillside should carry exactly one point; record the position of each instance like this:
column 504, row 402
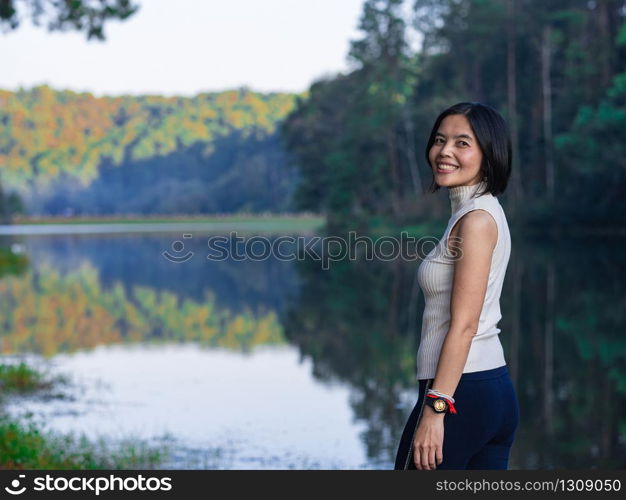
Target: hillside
column 74, row 153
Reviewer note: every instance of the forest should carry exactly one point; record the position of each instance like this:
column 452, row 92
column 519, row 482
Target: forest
column 72, row 153
column 555, row 70
column 351, row 147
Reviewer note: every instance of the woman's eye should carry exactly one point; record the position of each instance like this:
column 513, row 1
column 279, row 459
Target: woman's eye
column 439, row 139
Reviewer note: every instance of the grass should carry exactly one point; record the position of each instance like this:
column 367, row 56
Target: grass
column 24, row 445
column 10, row 263
column 306, row 218
column 21, row 379
column 283, row 223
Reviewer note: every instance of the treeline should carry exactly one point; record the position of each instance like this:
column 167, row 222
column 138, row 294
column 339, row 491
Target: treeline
column 555, row 70
column 351, row 147
column 68, row 152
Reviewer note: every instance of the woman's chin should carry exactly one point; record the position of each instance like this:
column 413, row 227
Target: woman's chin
column 445, row 179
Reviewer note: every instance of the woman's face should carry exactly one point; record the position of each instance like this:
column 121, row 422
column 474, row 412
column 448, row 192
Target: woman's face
column 455, row 146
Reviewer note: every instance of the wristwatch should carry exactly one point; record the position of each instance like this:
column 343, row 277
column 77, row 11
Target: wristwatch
column 440, row 405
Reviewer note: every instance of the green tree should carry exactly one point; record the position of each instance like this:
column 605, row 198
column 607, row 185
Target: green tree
column 10, row 205
column 81, row 15
column 388, row 78
column 351, row 135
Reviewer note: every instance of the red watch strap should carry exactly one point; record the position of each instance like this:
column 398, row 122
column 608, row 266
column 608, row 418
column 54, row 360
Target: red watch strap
column 451, row 407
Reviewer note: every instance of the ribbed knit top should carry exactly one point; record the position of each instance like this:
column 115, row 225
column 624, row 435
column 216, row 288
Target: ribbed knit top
column 435, row 276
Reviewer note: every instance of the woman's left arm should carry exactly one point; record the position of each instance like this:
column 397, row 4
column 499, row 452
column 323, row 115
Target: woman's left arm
column 477, row 233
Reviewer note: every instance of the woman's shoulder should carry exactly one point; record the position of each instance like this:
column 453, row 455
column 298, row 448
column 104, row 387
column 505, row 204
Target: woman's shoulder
column 482, row 216
column 478, row 223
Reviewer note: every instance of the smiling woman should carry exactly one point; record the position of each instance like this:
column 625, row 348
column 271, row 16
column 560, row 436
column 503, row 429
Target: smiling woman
column 457, row 154
column 460, row 353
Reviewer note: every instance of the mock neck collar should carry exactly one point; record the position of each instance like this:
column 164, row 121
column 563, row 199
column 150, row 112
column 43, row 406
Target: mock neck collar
column 460, row 194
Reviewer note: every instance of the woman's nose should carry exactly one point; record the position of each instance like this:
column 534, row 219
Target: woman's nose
column 445, row 153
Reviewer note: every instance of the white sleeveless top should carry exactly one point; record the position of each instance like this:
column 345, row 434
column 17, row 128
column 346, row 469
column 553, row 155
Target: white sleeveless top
column 435, row 275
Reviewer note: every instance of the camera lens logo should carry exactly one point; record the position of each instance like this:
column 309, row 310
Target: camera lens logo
column 16, row 484
column 177, row 247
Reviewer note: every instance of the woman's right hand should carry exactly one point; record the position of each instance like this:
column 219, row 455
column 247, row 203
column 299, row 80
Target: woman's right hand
column 428, row 440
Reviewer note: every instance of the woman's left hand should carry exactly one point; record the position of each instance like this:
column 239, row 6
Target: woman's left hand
column 428, row 440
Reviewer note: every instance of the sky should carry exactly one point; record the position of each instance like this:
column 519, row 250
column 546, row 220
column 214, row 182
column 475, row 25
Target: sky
column 202, row 45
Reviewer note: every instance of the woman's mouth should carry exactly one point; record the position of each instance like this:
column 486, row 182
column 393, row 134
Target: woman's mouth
column 444, row 168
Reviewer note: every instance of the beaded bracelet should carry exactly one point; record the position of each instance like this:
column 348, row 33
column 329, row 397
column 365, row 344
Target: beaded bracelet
column 440, row 394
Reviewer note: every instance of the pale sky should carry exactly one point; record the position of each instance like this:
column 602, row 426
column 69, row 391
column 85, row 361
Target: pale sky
column 198, row 46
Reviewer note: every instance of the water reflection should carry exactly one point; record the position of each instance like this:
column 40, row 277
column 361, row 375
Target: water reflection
column 293, row 359
column 562, row 331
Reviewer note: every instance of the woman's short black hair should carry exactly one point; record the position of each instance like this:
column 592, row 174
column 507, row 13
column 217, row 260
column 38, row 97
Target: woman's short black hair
column 492, row 134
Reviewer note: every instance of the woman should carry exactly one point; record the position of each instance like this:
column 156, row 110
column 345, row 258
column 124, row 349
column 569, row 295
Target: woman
column 467, row 410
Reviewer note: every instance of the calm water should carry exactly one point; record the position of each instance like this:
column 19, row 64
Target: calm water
column 283, row 364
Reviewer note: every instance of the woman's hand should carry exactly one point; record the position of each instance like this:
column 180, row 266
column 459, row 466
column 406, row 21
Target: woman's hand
column 428, row 440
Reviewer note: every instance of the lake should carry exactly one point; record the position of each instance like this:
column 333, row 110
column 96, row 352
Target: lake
column 276, row 363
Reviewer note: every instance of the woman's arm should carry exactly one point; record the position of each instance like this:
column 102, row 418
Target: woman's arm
column 478, row 234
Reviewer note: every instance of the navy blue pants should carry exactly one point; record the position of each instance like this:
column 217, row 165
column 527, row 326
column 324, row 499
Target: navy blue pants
column 481, row 434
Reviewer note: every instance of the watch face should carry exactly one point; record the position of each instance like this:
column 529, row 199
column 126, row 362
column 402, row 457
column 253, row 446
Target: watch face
column 439, row 405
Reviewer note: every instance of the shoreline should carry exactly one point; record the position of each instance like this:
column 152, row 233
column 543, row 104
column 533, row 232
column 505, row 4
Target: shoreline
column 141, row 219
